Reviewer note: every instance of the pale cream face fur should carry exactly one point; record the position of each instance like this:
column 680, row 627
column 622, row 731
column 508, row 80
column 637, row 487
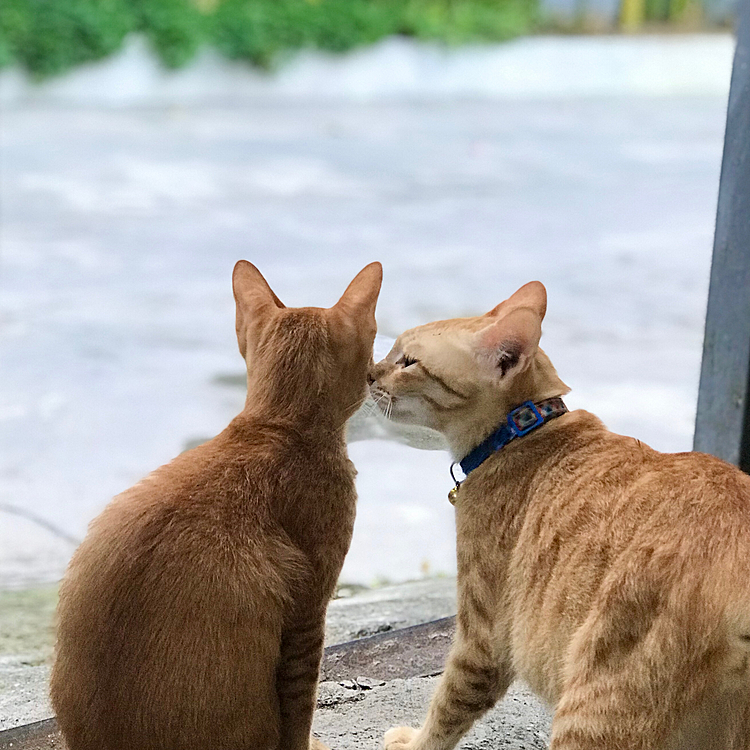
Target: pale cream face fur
column 460, row 377
column 613, row 579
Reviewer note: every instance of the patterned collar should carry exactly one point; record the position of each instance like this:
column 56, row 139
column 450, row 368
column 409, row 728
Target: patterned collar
column 519, row 422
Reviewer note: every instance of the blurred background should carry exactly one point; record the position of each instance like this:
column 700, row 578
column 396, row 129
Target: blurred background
column 469, row 145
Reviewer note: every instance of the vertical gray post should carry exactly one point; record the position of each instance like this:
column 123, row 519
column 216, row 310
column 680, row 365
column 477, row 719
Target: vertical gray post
column 722, row 425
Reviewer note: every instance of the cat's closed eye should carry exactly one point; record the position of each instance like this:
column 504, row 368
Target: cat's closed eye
column 407, row 361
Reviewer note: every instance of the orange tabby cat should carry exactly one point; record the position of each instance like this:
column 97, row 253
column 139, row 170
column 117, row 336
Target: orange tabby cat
column 192, row 616
column 612, row 578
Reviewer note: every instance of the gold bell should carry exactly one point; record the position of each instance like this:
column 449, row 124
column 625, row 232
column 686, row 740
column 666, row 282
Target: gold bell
column 453, row 494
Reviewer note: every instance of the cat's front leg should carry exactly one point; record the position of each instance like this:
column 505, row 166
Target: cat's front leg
column 474, row 680
column 297, row 683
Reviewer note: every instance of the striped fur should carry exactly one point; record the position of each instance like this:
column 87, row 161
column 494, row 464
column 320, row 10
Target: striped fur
column 614, row 579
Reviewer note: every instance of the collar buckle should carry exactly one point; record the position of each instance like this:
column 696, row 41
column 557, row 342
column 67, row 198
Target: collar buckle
column 524, row 419
column 520, row 421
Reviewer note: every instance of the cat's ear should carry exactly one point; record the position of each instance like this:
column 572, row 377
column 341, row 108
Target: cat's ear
column 361, row 295
column 509, row 344
column 254, row 298
column 532, row 295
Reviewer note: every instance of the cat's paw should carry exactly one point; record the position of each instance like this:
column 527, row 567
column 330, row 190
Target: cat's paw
column 399, row 738
column 316, row 744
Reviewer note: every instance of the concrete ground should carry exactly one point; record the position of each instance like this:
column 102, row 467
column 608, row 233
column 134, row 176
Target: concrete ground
column 27, row 635
column 347, row 717
column 346, row 720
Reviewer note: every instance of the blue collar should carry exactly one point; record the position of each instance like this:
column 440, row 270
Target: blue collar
column 519, row 422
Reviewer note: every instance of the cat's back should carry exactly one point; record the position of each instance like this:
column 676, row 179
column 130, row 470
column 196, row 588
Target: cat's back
column 620, row 531
column 625, row 490
column 187, row 575
column 207, row 500
column 213, row 517
column 613, row 503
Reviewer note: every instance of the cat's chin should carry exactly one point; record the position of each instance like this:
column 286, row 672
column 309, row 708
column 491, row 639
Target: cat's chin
column 368, row 423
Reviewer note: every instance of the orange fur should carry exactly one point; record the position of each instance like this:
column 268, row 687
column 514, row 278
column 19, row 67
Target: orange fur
column 192, row 615
column 613, row 578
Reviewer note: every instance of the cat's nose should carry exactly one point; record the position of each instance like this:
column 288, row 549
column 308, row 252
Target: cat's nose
column 370, row 377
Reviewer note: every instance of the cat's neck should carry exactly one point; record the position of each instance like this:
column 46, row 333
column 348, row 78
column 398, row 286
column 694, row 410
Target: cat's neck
column 295, row 409
column 510, row 476
column 314, row 428
column 300, row 420
column 464, row 436
column 538, row 383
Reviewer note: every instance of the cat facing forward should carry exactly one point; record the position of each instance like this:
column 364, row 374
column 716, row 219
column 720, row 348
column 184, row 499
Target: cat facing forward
column 613, row 579
column 192, row 615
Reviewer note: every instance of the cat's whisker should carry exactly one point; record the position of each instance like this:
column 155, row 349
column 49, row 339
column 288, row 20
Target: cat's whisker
column 366, row 407
column 377, row 398
column 369, row 407
column 380, row 397
column 389, row 408
column 383, row 397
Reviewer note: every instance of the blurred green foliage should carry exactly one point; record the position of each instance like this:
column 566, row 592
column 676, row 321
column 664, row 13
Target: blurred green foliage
column 51, row 36
column 258, row 30
column 55, row 35
column 175, row 28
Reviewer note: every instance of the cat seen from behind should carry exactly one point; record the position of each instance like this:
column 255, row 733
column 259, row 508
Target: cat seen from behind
column 192, row 615
column 613, row 579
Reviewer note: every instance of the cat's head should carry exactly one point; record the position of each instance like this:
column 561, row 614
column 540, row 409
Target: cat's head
column 462, row 376
column 307, row 359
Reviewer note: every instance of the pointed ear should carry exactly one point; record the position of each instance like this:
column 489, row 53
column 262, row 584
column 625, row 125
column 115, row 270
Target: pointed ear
column 255, row 300
column 361, row 295
column 532, row 295
column 508, row 344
